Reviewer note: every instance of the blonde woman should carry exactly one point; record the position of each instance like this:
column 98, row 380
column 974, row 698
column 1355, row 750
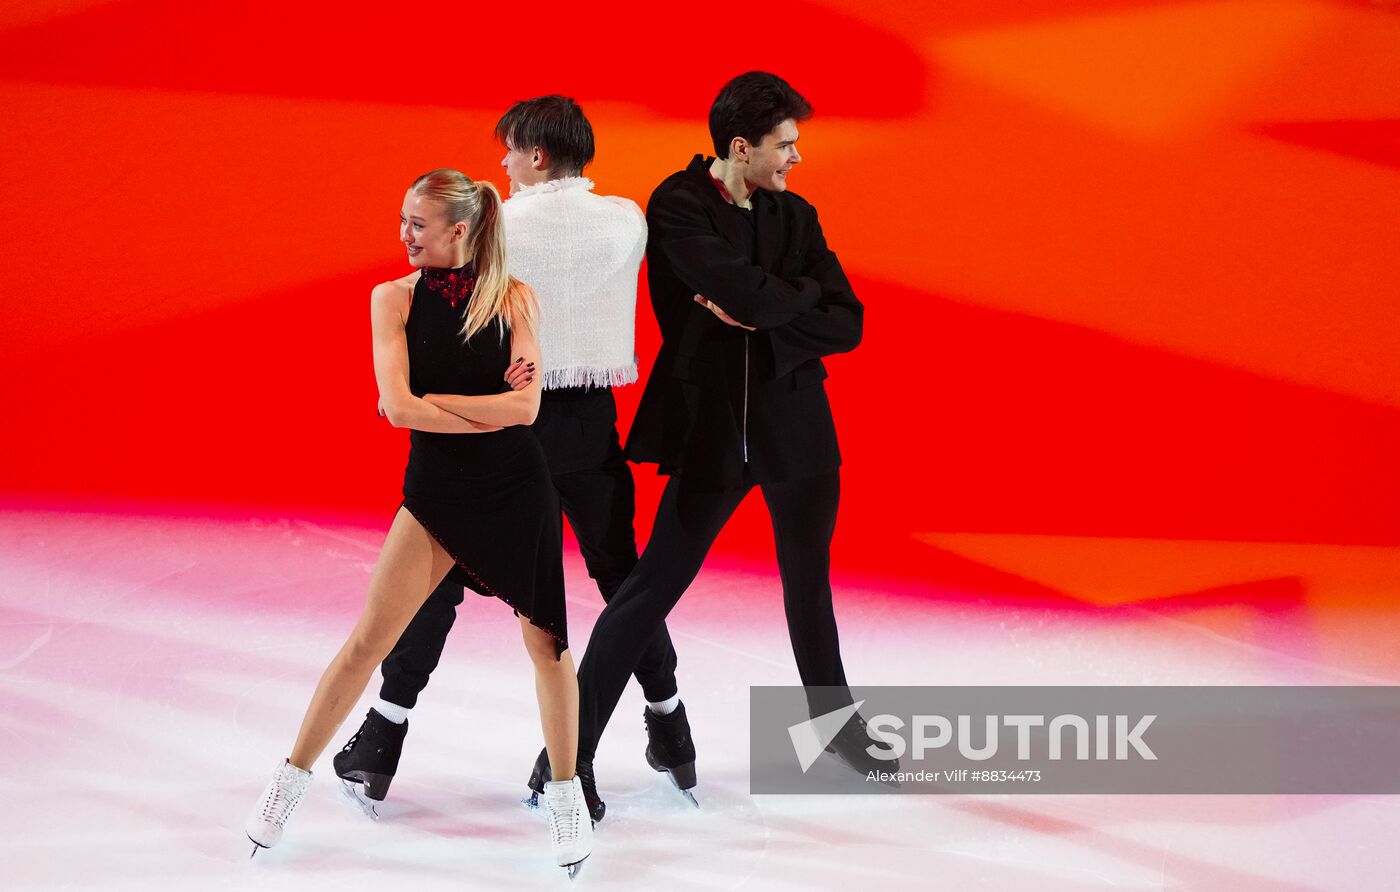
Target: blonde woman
column 479, row 504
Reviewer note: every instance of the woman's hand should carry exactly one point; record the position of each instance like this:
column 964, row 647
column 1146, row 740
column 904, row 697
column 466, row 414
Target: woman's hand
column 520, row 374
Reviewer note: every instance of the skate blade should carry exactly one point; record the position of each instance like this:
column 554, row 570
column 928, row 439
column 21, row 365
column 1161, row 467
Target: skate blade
column 353, row 793
column 689, row 796
column 256, row 846
column 575, row 868
column 532, row 802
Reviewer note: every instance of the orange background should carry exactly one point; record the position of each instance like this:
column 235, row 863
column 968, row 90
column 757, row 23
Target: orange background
column 1129, row 268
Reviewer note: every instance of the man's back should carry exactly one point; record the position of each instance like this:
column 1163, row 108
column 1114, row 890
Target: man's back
column 581, row 253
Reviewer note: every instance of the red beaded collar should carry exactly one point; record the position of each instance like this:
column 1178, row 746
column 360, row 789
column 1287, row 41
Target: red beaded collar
column 454, row 284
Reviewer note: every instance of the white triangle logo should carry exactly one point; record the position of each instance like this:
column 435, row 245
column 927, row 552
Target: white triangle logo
column 810, row 738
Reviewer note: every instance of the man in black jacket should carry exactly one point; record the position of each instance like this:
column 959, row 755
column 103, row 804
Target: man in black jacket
column 748, row 298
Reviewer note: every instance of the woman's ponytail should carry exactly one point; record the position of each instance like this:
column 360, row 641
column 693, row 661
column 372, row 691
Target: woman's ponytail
column 497, row 297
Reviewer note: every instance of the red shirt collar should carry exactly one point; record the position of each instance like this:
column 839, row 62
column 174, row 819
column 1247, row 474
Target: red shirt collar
column 723, row 189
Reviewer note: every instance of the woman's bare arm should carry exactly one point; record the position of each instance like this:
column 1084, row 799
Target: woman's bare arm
column 504, row 409
column 389, row 304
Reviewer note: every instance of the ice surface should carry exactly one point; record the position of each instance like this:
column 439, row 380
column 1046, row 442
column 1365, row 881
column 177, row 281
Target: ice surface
column 153, row 670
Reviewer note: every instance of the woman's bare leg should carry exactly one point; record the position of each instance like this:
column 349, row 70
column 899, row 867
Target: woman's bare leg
column 556, row 688
column 410, row 566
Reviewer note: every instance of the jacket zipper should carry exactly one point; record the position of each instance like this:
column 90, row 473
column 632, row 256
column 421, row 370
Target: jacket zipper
column 746, row 399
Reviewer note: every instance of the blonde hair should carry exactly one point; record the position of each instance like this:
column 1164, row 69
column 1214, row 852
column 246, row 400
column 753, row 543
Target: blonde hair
column 498, row 297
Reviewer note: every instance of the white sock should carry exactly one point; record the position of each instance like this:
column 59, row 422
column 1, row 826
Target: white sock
column 392, row 711
column 665, row 707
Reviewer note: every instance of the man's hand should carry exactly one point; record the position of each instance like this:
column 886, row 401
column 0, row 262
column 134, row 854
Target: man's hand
column 381, row 407
column 520, row 374
column 723, row 316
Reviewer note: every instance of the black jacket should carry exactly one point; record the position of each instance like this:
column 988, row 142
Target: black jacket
column 725, row 406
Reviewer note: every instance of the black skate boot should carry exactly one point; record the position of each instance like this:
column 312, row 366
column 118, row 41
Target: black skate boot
column 542, row 774
column 670, row 749
column 370, row 758
column 849, row 745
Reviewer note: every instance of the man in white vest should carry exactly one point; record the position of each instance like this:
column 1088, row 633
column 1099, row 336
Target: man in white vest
column 581, row 253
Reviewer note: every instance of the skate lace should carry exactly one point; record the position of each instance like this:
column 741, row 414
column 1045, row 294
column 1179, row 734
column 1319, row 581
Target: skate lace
column 354, row 738
column 278, row 803
column 584, row 770
column 672, row 736
column 565, row 818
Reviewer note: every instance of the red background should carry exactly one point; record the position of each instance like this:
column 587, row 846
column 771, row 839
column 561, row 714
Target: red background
column 1129, row 267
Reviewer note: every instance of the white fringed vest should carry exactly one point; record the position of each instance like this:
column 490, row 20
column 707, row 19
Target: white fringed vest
column 580, row 252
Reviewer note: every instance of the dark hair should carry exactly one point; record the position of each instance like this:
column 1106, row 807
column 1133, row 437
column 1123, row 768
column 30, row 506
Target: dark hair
column 751, row 105
column 555, row 124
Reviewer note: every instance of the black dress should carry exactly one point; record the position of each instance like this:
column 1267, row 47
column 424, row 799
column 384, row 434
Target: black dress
column 486, row 498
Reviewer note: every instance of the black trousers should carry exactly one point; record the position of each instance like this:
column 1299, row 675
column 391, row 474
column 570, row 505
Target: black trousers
column 578, row 430
column 687, row 521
